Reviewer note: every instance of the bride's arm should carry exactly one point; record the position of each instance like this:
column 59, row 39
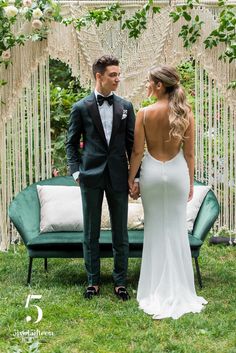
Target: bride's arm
column 188, row 149
column 138, row 147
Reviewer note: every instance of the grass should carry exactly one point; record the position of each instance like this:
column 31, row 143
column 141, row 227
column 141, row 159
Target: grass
column 71, row 324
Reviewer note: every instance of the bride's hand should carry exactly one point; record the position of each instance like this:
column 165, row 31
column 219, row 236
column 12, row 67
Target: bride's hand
column 135, row 191
column 190, row 196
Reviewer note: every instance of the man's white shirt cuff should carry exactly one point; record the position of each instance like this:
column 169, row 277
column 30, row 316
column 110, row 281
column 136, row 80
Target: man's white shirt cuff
column 136, row 180
column 75, row 175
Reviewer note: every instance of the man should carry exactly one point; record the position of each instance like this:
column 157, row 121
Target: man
column 106, row 123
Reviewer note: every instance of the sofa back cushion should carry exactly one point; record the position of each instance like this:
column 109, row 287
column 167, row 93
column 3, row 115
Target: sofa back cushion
column 194, row 205
column 61, row 208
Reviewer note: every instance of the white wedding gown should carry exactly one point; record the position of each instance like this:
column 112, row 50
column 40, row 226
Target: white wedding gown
column 166, row 283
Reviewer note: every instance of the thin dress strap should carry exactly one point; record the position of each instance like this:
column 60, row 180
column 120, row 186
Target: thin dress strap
column 144, row 122
column 144, row 116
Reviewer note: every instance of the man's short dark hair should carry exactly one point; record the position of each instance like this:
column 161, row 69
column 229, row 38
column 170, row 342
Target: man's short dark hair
column 100, row 64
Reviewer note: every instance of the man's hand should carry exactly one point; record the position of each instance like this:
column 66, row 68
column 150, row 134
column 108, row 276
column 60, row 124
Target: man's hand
column 77, row 181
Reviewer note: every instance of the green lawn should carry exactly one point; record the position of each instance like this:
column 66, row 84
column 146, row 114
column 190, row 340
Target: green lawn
column 71, row 324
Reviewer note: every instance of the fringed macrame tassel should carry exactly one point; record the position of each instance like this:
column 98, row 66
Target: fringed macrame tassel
column 25, row 146
column 27, row 157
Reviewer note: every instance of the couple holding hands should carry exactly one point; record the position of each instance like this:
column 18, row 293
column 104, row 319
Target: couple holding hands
column 113, row 139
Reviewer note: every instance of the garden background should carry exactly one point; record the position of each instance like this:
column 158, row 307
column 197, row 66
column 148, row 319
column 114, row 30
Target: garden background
column 38, row 108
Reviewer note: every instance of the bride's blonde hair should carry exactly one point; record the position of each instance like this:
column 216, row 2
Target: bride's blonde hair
column 179, row 109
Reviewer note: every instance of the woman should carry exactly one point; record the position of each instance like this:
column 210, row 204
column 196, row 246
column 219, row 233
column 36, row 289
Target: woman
column 166, row 284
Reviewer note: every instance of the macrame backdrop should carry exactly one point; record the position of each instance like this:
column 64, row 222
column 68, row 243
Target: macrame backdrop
column 25, row 154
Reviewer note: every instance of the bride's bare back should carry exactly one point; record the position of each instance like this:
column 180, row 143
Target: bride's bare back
column 157, row 128
column 154, row 128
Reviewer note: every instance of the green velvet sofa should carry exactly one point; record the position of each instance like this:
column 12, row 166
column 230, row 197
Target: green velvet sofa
column 24, row 212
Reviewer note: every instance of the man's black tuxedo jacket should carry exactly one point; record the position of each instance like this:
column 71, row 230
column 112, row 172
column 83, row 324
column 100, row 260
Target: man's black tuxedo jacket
column 97, row 154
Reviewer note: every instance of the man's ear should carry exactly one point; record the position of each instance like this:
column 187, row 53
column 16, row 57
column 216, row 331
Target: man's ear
column 98, row 76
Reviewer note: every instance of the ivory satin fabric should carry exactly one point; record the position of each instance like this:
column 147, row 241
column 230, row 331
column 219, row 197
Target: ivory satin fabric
column 166, row 283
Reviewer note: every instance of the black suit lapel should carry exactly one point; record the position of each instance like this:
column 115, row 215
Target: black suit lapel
column 92, row 107
column 117, row 114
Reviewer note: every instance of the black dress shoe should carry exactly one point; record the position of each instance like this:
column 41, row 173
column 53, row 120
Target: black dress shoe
column 122, row 293
column 90, row 292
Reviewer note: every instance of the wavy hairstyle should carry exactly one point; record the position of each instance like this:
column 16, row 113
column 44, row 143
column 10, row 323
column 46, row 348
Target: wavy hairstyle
column 179, row 109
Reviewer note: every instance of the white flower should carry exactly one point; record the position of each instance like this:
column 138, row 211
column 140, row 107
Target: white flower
column 48, row 12
column 11, row 11
column 37, row 13
column 24, row 10
column 6, row 55
column 27, row 3
column 37, row 24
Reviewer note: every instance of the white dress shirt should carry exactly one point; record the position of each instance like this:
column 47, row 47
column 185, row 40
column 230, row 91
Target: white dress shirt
column 106, row 114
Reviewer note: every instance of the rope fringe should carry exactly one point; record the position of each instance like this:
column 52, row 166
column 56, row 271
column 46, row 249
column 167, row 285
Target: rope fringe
column 25, row 154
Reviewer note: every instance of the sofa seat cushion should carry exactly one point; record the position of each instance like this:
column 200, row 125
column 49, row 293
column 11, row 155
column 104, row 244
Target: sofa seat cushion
column 56, row 240
column 75, row 239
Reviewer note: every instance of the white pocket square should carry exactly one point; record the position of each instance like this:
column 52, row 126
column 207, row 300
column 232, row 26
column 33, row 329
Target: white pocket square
column 124, row 115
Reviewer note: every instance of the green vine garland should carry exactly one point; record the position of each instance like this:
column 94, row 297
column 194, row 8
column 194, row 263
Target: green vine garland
column 41, row 12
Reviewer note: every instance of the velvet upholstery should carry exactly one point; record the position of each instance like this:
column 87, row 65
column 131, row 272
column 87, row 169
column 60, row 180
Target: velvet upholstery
column 24, row 212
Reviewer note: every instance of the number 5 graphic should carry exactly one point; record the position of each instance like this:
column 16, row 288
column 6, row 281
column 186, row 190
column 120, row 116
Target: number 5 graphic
column 40, row 312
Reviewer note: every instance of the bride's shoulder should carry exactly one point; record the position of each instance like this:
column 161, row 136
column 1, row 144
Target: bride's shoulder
column 141, row 111
column 151, row 108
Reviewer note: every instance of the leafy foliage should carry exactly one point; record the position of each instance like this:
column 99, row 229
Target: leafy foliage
column 50, row 10
column 148, row 101
column 138, row 22
column 232, row 85
column 135, row 25
column 191, row 30
column 65, row 91
column 97, row 16
column 226, row 33
column 190, row 33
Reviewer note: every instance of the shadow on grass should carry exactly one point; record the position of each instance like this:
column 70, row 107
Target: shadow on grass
column 65, row 272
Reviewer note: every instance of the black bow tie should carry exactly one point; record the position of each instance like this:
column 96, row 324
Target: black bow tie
column 101, row 99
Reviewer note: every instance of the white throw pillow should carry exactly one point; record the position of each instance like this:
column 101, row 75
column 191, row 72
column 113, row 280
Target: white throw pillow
column 194, row 205
column 135, row 215
column 105, row 218
column 61, row 208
